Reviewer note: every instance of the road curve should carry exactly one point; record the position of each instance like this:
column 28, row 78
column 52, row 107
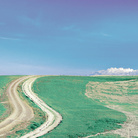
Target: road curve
column 21, row 111
column 53, row 117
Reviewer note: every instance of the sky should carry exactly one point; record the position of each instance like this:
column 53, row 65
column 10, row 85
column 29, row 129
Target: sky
column 67, row 37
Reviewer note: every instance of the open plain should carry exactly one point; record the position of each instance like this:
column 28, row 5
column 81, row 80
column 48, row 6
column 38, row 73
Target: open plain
column 70, row 106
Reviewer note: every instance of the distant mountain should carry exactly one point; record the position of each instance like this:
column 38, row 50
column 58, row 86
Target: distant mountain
column 117, row 71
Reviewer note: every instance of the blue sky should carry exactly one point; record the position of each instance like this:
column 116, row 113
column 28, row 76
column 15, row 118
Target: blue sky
column 72, row 37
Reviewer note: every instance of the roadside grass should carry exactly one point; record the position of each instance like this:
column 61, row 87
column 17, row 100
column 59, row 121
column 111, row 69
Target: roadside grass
column 4, row 106
column 26, row 127
column 82, row 116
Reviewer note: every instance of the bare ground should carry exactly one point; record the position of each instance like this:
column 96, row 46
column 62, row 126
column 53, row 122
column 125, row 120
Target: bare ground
column 115, row 95
column 21, row 111
column 53, row 117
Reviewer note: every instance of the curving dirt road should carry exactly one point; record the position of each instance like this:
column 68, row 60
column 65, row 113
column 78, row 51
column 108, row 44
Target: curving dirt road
column 21, row 111
column 53, row 117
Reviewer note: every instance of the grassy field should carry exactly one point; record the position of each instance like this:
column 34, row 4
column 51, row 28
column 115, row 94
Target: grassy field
column 122, row 93
column 121, row 96
column 4, row 81
column 82, row 116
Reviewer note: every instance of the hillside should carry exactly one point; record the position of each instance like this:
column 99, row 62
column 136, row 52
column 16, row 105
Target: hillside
column 69, row 106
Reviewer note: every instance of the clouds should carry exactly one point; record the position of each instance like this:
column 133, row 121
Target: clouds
column 73, row 34
column 117, row 71
column 36, row 21
column 8, row 38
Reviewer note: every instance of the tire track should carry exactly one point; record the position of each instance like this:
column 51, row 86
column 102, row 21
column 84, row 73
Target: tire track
column 21, row 111
column 53, row 117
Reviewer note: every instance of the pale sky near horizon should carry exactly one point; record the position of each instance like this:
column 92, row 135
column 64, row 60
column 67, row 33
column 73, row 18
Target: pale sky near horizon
column 72, row 37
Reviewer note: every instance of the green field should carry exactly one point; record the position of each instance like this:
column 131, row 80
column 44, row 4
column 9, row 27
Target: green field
column 4, row 81
column 82, row 116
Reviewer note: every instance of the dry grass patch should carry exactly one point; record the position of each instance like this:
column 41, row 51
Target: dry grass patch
column 121, row 96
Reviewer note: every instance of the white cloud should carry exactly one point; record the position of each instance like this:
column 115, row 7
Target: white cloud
column 117, row 71
column 8, row 38
column 37, row 22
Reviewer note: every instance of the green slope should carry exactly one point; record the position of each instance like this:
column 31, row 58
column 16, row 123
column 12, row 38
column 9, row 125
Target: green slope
column 81, row 116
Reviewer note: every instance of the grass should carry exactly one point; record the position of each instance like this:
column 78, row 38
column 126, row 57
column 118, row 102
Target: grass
column 81, row 116
column 122, row 93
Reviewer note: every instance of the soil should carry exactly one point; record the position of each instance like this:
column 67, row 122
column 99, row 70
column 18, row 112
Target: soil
column 21, row 111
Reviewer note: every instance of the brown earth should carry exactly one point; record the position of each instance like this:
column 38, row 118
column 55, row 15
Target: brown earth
column 21, row 112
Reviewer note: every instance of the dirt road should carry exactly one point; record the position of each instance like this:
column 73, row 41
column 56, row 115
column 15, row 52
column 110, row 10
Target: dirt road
column 53, row 117
column 21, row 111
